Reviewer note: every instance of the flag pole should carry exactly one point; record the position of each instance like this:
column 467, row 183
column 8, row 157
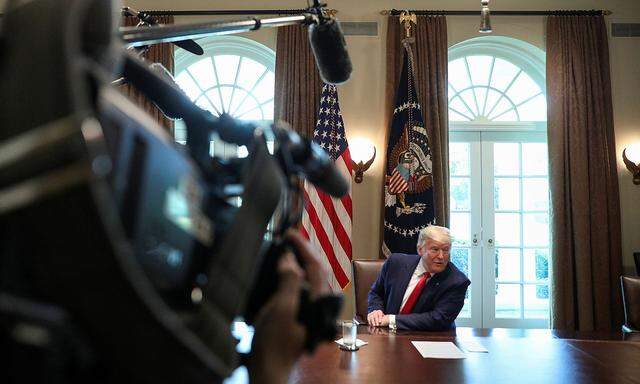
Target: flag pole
column 408, row 19
column 408, row 193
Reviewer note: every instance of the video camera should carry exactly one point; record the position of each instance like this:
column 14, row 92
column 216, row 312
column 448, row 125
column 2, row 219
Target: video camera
column 122, row 256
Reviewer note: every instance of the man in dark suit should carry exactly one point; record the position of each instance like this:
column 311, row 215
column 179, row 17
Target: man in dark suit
column 422, row 292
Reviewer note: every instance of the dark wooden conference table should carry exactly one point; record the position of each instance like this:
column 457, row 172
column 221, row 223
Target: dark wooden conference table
column 515, row 356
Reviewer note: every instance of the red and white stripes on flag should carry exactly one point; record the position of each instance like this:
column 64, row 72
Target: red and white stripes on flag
column 397, row 182
column 326, row 221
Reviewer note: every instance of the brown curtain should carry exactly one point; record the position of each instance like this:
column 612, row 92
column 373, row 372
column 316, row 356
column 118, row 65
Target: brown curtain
column 586, row 261
column 158, row 53
column 431, row 60
column 297, row 83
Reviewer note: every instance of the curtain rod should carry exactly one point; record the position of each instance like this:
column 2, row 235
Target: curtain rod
column 208, row 12
column 591, row 12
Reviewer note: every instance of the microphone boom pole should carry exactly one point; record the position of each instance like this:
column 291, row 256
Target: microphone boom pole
column 135, row 37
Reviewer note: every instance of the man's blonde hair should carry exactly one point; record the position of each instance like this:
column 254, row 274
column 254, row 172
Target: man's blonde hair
column 435, row 233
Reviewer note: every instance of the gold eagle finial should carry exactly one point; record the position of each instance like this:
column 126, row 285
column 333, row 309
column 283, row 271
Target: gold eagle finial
column 406, row 18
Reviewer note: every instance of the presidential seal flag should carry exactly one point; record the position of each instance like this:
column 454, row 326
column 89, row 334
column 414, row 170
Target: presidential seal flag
column 326, row 221
column 408, row 192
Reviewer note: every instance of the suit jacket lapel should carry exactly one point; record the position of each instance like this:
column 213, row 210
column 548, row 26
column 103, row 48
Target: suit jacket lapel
column 404, row 279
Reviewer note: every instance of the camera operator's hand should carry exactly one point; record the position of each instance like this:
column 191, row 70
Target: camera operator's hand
column 279, row 337
column 316, row 273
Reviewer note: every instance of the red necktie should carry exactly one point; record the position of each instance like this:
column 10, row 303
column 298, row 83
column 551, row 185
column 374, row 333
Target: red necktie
column 413, row 297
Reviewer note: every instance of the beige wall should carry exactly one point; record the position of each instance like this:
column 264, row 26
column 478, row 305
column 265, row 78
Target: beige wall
column 362, row 97
column 625, row 83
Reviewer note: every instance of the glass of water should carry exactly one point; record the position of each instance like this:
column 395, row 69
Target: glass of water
column 349, row 333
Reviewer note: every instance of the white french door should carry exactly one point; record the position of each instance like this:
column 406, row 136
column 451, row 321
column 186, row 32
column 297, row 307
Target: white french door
column 500, row 224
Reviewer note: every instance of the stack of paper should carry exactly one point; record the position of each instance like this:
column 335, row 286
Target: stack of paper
column 438, row 349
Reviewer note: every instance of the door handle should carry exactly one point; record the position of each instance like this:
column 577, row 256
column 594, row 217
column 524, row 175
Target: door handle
column 490, row 242
column 474, row 241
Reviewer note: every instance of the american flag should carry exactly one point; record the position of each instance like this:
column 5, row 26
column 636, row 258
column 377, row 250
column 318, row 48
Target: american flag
column 326, row 221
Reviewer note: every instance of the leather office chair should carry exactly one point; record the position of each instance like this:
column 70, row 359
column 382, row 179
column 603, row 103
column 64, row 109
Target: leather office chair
column 631, row 301
column 365, row 273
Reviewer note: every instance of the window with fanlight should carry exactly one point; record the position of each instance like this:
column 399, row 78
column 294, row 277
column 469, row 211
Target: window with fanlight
column 234, row 76
column 499, row 189
column 489, row 88
column 496, row 79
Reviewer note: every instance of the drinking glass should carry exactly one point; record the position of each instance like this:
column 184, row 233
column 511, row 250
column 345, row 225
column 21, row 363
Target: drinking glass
column 349, row 333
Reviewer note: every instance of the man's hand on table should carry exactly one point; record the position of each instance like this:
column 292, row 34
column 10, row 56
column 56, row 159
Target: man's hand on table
column 377, row 318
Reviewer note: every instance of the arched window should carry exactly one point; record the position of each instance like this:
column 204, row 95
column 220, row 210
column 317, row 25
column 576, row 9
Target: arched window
column 499, row 189
column 235, row 75
column 491, row 81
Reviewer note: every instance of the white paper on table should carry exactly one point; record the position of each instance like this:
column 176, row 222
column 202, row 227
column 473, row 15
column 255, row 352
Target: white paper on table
column 472, row 345
column 359, row 343
column 438, row 349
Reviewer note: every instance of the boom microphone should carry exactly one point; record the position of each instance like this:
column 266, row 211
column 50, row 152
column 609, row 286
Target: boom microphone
column 312, row 161
column 330, row 50
column 323, row 174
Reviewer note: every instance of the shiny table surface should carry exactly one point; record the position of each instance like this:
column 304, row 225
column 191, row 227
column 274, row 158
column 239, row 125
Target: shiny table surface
column 515, row 356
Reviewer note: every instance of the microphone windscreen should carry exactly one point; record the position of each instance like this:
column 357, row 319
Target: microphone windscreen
column 319, row 169
column 330, row 50
column 330, row 180
column 235, row 131
column 312, row 161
